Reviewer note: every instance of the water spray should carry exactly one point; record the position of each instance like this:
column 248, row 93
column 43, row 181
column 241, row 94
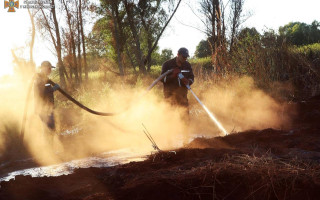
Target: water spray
column 212, row 117
column 112, row 114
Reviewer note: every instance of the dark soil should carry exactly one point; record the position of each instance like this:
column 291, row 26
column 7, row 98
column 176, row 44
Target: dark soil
column 256, row 164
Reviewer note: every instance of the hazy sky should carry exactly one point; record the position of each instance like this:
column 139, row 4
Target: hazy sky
column 15, row 30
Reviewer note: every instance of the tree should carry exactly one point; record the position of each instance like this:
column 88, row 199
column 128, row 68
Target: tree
column 248, row 32
column 134, row 29
column 315, row 32
column 48, row 25
column 235, row 18
column 213, row 11
column 71, row 40
column 203, row 49
column 118, row 34
column 298, row 33
column 113, row 20
column 158, row 28
column 100, row 40
column 135, row 24
column 33, row 33
column 78, row 38
column 81, row 6
column 165, row 55
column 217, row 26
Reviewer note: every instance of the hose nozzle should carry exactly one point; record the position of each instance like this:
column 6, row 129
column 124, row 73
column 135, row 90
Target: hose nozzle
column 180, row 76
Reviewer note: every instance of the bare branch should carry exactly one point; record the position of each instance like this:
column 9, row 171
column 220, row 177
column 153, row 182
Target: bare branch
column 201, row 19
column 205, row 32
column 160, row 34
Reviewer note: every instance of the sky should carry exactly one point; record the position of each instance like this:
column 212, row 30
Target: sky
column 15, row 30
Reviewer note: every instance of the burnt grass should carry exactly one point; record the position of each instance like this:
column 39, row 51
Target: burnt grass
column 256, row 164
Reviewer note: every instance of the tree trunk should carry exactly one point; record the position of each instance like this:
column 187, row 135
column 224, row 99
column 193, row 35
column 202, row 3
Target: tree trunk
column 148, row 59
column 236, row 7
column 83, row 41
column 79, row 58
column 130, row 58
column 58, row 46
column 32, row 64
column 138, row 52
column 73, row 68
column 79, row 45
column 114, row 16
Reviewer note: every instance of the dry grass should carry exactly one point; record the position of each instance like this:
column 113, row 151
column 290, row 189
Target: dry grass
column 252, row 177
column 239, row 176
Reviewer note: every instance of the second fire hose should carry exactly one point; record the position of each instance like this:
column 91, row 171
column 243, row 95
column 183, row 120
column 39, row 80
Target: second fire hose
column 112, row 114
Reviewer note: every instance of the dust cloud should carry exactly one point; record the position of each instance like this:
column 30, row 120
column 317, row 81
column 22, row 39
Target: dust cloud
column 239, row 106
column 13, row 92
column 98, row 133
column 125, row 130
column 13, row 101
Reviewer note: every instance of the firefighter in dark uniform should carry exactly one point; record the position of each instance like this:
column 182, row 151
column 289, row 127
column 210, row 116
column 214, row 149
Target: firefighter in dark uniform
column 44, row 99
column 174, row 88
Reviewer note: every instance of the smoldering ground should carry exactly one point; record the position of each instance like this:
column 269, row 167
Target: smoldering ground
column 238, row 106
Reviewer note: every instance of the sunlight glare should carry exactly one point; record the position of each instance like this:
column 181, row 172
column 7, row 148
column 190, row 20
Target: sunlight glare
column 14, row 34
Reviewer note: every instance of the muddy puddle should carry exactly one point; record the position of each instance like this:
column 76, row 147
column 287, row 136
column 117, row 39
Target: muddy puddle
column 106, row 159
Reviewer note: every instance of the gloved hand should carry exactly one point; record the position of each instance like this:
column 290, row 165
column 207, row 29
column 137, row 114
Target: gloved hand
column 55, row 87
column 175, row 72
column 185, row 81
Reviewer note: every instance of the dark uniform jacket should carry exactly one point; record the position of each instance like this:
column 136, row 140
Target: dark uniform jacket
column 173, row 88
column 44, row 100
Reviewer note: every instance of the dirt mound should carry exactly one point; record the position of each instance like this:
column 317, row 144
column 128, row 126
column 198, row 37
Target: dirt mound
column 256, row 164
column 188, row 174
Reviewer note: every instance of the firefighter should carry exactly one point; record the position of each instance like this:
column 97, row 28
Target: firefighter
column 44, row 99
column 174, row 87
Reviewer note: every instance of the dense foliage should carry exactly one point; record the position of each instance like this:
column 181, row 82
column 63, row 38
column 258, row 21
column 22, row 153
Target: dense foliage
column 297, row 33
column 291, row 56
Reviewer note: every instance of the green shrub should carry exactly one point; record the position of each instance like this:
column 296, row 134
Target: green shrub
column 311, row 51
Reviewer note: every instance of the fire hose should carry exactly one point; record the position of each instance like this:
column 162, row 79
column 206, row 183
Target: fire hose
column 112, row 114
column 103, row 113
column 79, row 104
column 75, row 101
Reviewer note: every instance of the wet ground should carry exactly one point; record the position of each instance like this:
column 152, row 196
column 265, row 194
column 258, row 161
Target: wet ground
column 28, row 167
column 256, row 164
